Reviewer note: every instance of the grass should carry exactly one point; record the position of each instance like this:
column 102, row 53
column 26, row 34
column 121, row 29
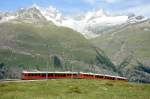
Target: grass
column 21, row 39
column 119, row 44
column 74, row 89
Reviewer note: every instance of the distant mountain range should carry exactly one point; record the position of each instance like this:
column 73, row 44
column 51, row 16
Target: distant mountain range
column 90, row 24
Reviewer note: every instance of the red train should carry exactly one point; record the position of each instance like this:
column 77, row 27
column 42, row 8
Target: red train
column 27, row 75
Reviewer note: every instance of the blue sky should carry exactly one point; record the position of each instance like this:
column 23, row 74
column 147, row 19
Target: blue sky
column 140, row 7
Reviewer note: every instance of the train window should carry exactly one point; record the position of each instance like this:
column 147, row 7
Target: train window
column 59, row 75
column 56, row 75
column 49, row 75
column 43, row 75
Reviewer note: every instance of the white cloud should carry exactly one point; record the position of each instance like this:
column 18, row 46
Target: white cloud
column 138, row 10
column 112, row 1
column 98, row 1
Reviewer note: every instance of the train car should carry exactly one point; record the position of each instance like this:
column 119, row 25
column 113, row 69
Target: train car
column 28, row 75
column 32, row 75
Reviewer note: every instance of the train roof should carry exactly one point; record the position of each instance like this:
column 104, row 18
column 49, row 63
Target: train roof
column 49, row 72
column 103, row 75
column 70, row 72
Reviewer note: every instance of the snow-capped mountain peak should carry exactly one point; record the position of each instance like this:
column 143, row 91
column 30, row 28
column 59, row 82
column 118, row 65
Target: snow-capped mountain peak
column 90, row 24
column 52, row 14
column 30, row 13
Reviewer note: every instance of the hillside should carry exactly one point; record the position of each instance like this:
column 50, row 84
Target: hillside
column 30, row 44
column 74, row 89
column 130, row 41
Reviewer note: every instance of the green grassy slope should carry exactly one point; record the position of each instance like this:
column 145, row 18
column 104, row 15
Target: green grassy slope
column 30, row 44
column 129, row 45
column 131, row 40
column 74, row 89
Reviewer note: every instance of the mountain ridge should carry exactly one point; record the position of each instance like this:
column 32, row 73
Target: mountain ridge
column 91, row 24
